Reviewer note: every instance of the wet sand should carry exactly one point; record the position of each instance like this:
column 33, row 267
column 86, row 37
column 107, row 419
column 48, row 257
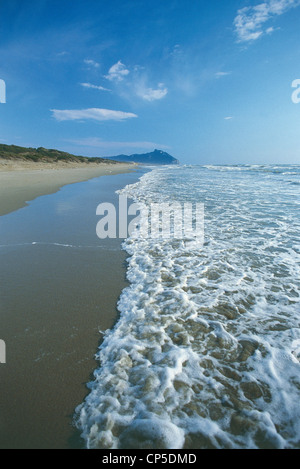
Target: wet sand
column 59, row 286
column 20, row 183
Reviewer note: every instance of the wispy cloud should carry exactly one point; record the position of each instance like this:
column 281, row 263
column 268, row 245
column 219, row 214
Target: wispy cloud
column 249, row 22
column 91, row 114
column 62, row 54
column 270, row 30
column 150, row 94
column 91, row 63
column 229, row 118
column 135, row 85
column 222, row 74
column 99, row 143
column 94, row 87
column 117, row 72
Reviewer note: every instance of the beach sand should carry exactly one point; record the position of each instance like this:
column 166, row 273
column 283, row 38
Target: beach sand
column 22, row 182
column 59, row 287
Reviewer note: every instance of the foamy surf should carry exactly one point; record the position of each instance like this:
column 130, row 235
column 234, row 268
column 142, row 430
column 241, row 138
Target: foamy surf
column 206, row 352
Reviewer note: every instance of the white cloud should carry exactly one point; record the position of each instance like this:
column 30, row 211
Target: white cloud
column 94, row 87
column 94, row 114
column 228, row 118
column 91, row 63
column 117, row 72
column 99, row 143
column 249, row 22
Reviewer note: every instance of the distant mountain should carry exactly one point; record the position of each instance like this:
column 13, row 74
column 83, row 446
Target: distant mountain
column 156, row 157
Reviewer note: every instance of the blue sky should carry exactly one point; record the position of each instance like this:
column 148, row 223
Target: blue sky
column 207, row 81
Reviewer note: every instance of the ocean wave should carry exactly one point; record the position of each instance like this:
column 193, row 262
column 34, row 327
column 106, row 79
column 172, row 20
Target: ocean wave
column 206, row 352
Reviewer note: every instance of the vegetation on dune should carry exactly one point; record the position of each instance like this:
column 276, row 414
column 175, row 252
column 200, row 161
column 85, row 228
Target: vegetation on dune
column 13, row 152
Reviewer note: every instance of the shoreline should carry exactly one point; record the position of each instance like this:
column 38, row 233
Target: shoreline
column 22, row 183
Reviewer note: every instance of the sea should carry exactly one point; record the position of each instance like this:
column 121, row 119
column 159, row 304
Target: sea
column 206, row 350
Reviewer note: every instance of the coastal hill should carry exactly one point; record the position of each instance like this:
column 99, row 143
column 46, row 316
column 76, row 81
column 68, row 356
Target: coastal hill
column 19, row 154
column 156, row 157
column 42, row 155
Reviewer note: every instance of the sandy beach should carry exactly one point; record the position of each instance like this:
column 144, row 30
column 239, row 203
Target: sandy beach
column 59, row 287
column 22, row 182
